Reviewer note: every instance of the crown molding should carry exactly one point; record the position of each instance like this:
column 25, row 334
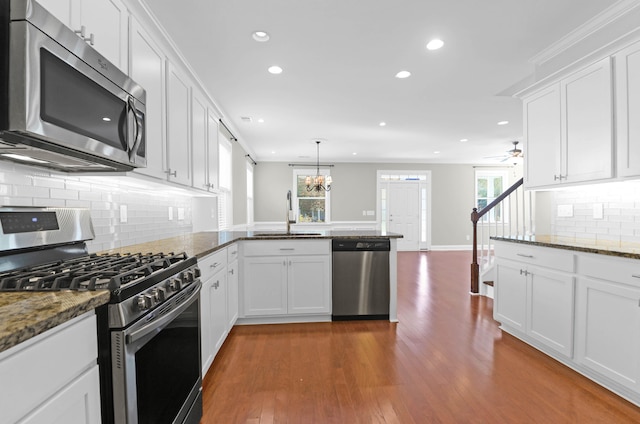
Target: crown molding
column 601, row 20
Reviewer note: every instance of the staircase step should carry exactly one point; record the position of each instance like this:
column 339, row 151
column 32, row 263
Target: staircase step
column 488, row 283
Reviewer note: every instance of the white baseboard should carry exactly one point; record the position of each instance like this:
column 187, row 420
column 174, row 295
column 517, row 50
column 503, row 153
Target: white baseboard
column 445, row 247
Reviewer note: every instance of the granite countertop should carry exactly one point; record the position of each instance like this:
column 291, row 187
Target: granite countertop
column 206, row 242
column 26, row 314
column 601, row 247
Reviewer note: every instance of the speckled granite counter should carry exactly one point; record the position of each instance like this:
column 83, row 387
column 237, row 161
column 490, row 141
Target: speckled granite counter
column 27, row 314
column 204, row 243
column 601, row 247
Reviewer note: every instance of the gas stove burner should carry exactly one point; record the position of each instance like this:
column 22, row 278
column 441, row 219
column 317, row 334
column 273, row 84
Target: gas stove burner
column 93, row 272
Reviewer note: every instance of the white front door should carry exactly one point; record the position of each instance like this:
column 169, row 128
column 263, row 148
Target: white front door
column 404, row 213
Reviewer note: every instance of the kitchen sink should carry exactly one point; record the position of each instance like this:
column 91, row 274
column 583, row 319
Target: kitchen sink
column 283, row 234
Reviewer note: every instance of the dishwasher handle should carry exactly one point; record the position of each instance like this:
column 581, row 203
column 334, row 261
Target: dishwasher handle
column 357, row 245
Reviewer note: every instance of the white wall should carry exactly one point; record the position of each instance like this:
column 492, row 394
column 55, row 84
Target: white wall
column 147, row 203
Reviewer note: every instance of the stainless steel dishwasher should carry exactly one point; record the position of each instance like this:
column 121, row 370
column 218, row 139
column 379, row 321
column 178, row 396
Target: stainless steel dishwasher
column 360, row 279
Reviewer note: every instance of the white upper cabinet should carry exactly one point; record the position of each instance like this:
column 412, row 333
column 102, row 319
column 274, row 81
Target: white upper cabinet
column 147, row 68
column 568, row 129
column 587, row 102
column 627, row 66
column 212, row 151
column 178, row 126
column 543, row 133
column 199, row 138
column 102, row 23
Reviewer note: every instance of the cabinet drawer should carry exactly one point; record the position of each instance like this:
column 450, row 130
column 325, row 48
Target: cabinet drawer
column 561, row 260
column 212, row 263
column 37, row 369
column 286, row 247
column 232, row 252
column 621, row 270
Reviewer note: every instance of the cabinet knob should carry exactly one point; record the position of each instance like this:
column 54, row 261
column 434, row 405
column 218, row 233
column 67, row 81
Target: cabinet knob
column 171, row 174
column 81, row 32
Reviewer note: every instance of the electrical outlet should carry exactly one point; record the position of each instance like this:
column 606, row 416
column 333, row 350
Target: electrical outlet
column 468, row 237
column 371, row 213
column 170, row 213
column 364, row 213
column 565, row 211
column 123, row 214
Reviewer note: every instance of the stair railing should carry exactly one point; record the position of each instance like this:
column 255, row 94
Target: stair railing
column 516, row 211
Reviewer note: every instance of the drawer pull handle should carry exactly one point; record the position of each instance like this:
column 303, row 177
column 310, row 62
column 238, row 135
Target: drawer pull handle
column 524, row 256
column 214, row 265
column 635, row 275
column 287, row 248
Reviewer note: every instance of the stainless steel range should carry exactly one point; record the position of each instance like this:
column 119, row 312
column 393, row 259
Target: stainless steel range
column 148, row 334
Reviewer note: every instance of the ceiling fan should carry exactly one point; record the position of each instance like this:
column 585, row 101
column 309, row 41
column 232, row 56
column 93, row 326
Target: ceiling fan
column 515, row 152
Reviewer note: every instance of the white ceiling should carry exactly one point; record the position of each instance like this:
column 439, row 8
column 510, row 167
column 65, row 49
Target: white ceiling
column 340, row 57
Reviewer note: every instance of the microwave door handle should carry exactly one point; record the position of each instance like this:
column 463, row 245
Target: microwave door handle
column 138, row 123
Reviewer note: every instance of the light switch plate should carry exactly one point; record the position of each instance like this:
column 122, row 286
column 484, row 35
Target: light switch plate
column 123, row 214
column 565, row 211
column 598, row 211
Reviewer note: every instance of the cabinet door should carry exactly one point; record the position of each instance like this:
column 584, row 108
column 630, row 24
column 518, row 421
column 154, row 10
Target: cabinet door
column 76, row 403
column 218, row 295
column 107, row 20
column 61, row 9
column 627, row 65
column 510, row 295
column 206, row 331
column 265, row 286
column 199, row 139
column 543, row 135
column 608, row 330
column 309, row 285
column 178, row 139
column 550, row 309
column 212, row 150
column 588, row 128
column 148, row 69
column 232, row 293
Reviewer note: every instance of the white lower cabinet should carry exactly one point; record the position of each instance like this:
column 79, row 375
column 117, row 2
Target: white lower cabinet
column 286, row 278
column 233, row 278
column 536, row 302
column 213, row 305
column 44, row 380
column 581, row 308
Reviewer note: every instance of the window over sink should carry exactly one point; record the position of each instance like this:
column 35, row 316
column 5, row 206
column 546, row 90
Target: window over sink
column 310, row 206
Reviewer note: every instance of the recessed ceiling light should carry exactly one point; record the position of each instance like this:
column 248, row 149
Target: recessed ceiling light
column 260, row 120
column 383, row 124
column 503, row 122
column 464, row 140
column 260, row 36
column 435, row 44
column 403, row 74
column 436, row 152
column 354, row 153
column 273, row 152
column 106, row 119
column 275, row 70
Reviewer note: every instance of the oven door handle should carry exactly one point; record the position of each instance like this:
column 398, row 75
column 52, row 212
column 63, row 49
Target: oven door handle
column 157, row 325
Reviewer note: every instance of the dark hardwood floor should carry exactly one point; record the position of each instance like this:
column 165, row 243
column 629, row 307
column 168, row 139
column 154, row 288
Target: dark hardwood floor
column 446, row 361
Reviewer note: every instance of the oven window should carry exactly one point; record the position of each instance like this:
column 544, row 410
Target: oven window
column 72, row 101
column 167, row 368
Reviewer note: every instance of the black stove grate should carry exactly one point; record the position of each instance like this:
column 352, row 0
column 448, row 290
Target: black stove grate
column 91, row 272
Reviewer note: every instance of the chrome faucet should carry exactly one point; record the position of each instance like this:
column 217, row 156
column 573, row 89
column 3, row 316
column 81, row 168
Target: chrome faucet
column 290, row 218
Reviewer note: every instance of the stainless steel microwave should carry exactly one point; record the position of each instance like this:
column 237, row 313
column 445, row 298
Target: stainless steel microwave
column 63, row 105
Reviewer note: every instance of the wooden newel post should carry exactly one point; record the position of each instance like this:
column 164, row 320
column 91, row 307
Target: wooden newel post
column 475, row 268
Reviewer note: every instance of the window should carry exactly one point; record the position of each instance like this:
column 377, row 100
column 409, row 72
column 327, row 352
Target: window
column 224, row 169
column 249, row 193
column 490, row 185
column 311, row 206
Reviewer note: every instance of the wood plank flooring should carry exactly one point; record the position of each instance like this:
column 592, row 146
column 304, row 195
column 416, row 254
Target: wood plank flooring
column 446, row 361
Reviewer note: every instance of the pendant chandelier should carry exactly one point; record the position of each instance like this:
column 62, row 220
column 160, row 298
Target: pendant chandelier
column 319, row 182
